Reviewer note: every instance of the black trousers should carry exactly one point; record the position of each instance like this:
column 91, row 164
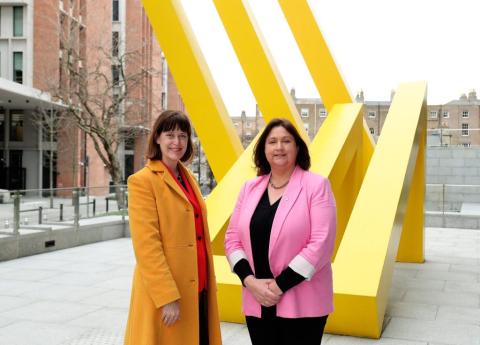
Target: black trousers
column 282, row 331
column 203, row 317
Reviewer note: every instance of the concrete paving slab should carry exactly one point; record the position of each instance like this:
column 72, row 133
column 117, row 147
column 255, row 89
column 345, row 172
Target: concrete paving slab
column 459, row 314
column 11, row 302
column 37, row 333
column 412, row 310
column 432, row 331
column 50, row 311
column 473, row 287
column 103, row 318
column 442, row 298
column 344, row 340
column 66, row 293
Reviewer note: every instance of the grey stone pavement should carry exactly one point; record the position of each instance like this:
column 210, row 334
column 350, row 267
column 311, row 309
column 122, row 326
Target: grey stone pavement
column 80, row 296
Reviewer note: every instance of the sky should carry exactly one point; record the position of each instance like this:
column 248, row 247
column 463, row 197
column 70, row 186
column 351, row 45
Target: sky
column 377, row 44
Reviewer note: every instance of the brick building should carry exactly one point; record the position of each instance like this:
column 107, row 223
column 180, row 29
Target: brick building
column 37, row 40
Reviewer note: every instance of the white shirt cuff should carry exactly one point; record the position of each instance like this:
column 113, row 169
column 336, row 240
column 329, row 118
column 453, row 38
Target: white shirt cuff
column 235, row 257
column 301, row 266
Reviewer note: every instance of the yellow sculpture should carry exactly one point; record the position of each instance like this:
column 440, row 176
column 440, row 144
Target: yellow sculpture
column 379, row 191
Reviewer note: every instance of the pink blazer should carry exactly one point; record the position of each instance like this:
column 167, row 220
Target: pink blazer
column 302, row 237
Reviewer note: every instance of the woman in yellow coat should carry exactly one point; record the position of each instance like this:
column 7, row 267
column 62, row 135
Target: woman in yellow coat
column 174, row 292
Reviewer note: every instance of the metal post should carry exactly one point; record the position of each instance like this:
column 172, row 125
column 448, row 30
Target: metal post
column 443, row 204
column 61, row 213
column 16, row 212
column 40, row 213
column 122, row 191
column 106, row 204
column 76, row 207
column 94, row 202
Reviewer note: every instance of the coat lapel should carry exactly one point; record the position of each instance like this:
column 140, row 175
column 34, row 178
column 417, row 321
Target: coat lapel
column 286, row 203
column 158, row 167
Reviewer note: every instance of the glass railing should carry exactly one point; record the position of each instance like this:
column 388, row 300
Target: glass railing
column 462, row 199
column 35, row 208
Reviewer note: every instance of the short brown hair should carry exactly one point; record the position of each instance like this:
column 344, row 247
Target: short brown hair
column 167, row 121
column 259, row 158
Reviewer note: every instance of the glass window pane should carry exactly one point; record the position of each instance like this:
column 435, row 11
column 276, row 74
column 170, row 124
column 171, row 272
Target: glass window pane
column 2, row 127
column 16, row 125
column 18, row 67
column 17, row 21
column 115, row 16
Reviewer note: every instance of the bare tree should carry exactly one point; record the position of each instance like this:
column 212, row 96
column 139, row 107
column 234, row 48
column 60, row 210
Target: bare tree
column 99, row 91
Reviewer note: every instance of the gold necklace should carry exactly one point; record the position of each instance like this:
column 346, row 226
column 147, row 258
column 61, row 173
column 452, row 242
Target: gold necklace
column 277, row 187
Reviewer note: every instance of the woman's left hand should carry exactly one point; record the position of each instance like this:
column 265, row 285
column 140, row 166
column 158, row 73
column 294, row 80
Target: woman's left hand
column 272, row 286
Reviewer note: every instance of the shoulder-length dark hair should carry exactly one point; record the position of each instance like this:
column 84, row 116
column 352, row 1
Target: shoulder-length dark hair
column 259, row 158
column 167, row 121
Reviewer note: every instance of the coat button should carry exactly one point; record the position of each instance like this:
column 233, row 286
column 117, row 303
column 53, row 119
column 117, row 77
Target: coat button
column 199, row 238
column 196, row 215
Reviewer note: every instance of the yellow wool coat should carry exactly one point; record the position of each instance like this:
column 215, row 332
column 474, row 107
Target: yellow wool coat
column 162, row 227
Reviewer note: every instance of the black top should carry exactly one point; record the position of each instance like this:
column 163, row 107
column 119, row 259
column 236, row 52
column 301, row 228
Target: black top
column 260, row 230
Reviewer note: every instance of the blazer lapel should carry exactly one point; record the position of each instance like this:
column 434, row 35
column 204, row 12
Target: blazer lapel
column 250, row 203
column 286, row 203
column 158, row 167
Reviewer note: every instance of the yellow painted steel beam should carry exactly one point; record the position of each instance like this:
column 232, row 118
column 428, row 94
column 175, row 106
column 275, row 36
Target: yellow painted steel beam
column 315, row 52
column 321, row 65
column 335, row 151
column 221, row 201
column 258, row 65
column 195, row 83
column 364, row 262
column 412, row 244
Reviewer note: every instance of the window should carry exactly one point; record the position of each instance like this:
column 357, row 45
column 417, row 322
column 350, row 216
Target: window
column 372, row 114
column 304, row 112
column 466, row 144
column 16, row 125
column 17, row 21
column 164, row 100
column 18, row 67
column 129, row 144
column 16, row 158
column 433, row 114
column 322, row 113
column 2, row 126
column 116, row 76
column 465, row 114
column 372, row 131
column 446, row 115
column 465, row 131
column 115, row 12
column 115, row 42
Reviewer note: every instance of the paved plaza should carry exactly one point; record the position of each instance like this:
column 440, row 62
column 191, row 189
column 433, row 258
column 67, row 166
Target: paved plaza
column 80, row 296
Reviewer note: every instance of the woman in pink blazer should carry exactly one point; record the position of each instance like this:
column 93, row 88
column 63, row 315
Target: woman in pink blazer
column 280, row 242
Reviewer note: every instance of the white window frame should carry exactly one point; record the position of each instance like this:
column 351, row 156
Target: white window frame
column 465, row 130
column 372, row 114
column 446, row 114
column 304, row 112
column 465, row 114
column 322, row 113
column 434, row 114
column 372, row 130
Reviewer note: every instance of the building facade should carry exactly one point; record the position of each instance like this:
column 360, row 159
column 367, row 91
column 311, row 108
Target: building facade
column 43, row 45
